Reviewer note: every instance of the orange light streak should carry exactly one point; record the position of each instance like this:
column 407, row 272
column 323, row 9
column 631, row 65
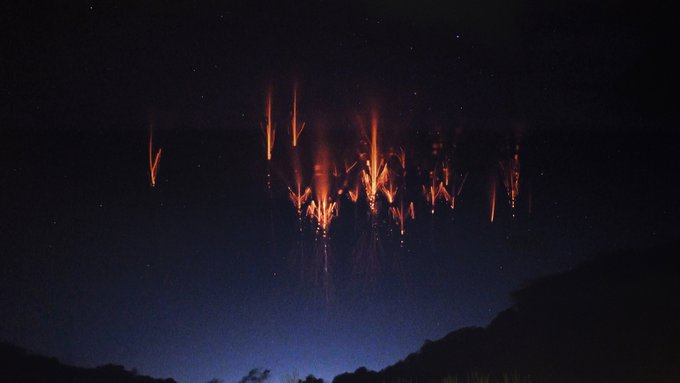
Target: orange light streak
column 402, row 159
column 456, row 187
column 299, row 197
column 376, row 172
column 322, row 209
column 433, row 191
column 296, row 132
column 399, row 215
column 349, row 168
column 270, row 131
column 389, row 191
column 354, row 193
column 153, row 161
column 336, row 171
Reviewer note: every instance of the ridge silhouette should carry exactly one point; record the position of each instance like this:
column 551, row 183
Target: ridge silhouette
column 19, row 366
column 613, row 319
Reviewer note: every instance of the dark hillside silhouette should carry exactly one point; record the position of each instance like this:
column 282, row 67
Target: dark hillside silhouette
column 16, row 365
column 615, row 319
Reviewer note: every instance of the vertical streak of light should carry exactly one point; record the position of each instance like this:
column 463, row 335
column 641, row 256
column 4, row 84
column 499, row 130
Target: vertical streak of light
column 153, row 162
column 374, row 154
column 270, row 133
column 434, row 191
column 376, row 172
column 294, row 123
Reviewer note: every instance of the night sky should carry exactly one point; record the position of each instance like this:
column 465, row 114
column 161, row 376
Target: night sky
column 203, row 275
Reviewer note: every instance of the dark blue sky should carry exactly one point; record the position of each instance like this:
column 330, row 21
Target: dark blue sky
column 201, row 277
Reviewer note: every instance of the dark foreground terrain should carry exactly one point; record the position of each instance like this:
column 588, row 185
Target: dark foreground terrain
column 16, row 365
column 615, row 319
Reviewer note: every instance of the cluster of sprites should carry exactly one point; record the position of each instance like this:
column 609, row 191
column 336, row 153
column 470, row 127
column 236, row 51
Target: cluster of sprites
column 373, row 174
